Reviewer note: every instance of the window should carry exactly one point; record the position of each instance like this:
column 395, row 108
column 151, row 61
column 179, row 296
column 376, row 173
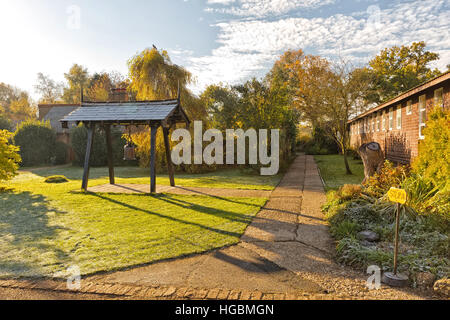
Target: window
column 391, row 119
column 378, row 121
column 422, row 114
column 373, row 123
column 383, row 120
column 439, row 97
column 409, row 107
column 399, row 116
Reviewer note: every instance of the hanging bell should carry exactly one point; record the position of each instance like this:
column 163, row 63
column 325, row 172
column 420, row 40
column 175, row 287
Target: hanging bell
column 129, row 152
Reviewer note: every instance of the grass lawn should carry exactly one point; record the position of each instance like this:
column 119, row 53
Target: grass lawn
column 228, row 179
column 47, row 228
column 332, row 169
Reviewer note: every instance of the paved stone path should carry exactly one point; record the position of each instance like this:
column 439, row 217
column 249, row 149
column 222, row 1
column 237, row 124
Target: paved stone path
column 285, row 253
column 214, row 192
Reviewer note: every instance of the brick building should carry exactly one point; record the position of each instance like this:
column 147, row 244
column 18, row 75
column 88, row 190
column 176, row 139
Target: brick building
column 397, row 125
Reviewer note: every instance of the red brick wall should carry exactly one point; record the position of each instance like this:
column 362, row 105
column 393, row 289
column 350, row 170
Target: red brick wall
column 399, row 145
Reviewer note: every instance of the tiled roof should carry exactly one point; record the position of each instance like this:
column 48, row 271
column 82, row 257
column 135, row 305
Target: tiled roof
column 124, row 112
column 435, row 81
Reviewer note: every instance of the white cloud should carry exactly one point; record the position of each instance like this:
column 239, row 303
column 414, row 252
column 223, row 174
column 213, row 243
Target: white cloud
column 262, row 8
column 248, row 48
column 223, row 2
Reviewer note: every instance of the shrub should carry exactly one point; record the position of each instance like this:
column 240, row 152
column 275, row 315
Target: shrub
column 349, row 191
column 433, row 162
column 60, row 153
column 36, row 140
column 389, row 176
column 425, row 197
column 9, row 156
column 345, row 229
column 56, row 179
column 99, row 151
column 142, row 140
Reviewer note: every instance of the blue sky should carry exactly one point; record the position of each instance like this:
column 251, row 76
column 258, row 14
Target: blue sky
column 217, row 40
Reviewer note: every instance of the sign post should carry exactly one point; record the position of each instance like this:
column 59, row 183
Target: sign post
column 396, row 279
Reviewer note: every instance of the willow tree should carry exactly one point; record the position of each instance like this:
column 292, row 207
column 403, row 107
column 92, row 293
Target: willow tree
column 154, row 77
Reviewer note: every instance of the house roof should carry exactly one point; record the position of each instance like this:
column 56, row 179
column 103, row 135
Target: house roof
column 430, row 83
column 140, row 112
column 57, row 113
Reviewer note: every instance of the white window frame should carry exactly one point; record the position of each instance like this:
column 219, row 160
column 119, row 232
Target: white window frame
column 378, row 121
column 422, row 107
column 399, row 116
column 391, row 119
column 383, row 120
column 373, row 123
column 409, row 106
column 441, row 98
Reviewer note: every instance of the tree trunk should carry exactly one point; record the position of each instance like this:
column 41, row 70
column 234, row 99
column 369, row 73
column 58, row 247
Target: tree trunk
column 347, row 166
column 372, row 157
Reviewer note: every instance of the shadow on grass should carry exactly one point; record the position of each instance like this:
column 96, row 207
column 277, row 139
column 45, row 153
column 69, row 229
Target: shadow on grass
column 217, row 197
column 207, row 210
column 24, row 229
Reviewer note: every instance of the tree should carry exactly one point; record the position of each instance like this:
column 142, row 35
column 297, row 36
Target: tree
column 326, row 94
column 21, row 109
column 222, row 106
column 154, row 76
column 49, row 90
column 252, row 105
column 9, row 157
column 299, row 78
column 8, row 94
column 77, row 77
column 398, row 69
column 99, row 88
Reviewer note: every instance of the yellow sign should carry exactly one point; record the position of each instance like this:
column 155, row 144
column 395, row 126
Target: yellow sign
column 397, row 195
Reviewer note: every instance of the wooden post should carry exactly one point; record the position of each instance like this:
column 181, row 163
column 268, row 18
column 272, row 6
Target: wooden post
column 90, row 142
column 397, row 236
column 153, row 131
column 110, row 154
column 168, row 157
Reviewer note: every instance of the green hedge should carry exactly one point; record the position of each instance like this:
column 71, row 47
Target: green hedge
column 99, row 152
column 60, row 153
column 36, row 140
column 5, row 124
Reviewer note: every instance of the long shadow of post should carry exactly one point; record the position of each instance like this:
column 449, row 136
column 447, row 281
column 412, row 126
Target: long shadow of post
column 224, row 232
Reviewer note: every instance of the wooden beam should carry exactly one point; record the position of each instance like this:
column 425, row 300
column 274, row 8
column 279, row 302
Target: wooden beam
column 90, row 142
column 153, row 130
column 168, row 156
column 110, row 154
